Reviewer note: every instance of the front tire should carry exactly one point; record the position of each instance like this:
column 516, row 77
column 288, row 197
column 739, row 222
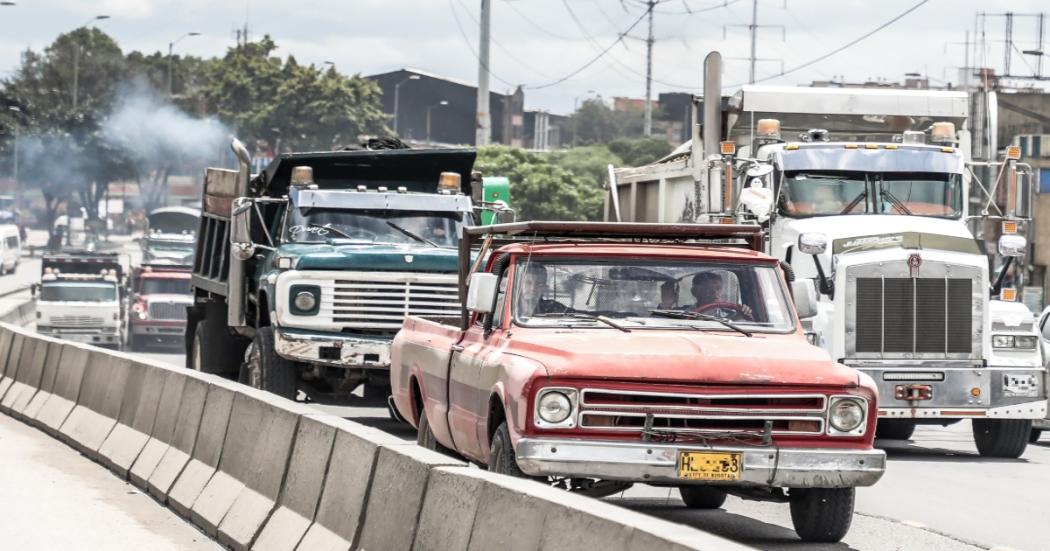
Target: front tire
column 822, row 514
column 502, row 458
column 1006, row 438
column 702, row 497
column 1033, row 436
column 895, row 429
column 269, row 371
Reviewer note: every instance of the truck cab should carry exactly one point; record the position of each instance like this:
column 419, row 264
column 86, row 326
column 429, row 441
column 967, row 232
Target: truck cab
column 597, row 355
column 80, row 298
column 170, row 236
column 158, row 296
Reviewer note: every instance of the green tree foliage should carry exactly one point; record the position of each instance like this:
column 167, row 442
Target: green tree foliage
column 589, row 163
column 541, row 190
column 641, row 151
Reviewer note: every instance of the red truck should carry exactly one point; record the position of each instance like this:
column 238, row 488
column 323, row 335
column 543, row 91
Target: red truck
column 596, row 355
column 159, row 295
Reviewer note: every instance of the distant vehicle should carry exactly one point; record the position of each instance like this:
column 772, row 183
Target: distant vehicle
column 10, row 248
column 80, row 298
column 171, row 235
column 158, row 296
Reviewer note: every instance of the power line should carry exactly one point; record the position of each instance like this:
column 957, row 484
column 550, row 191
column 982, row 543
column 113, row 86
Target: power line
column 470, row 45
column 601, row 54
column 840, row 48
column 505, row 50
column 535, row 25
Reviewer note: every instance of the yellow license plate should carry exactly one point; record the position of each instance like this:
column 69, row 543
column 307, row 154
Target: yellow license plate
column 709, row 466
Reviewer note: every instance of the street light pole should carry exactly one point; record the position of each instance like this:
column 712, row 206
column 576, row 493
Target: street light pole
column 397, row 88
column 76, row 59
column 429, row 107
column 171, row 58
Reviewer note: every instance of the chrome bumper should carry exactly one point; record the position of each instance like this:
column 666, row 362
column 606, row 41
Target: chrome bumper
column 642, row 462
column 99, row 338
column 332, row 349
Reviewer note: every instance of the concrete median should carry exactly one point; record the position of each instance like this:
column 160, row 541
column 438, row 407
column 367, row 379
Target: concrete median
column 207, row 448
column 160, row 482
column 11, row 363
column 68, row 380
column 163, row 431
column 99, row 403
column 47, row 383
column 26, row 379
column 138, row 410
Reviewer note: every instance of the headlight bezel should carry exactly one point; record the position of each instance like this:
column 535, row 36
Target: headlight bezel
column 569, row 421
column 834, row 429
column 1003, row 342
column 1014, row 342
column 293, row 293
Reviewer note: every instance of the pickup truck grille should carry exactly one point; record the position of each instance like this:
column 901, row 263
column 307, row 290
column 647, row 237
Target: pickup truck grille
column 75, row 321
column 376, row 304
column 167, row 311
column 621, row 410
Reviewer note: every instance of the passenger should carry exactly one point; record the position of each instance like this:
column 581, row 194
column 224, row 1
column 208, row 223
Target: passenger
column 707, row 290
column 530, row 294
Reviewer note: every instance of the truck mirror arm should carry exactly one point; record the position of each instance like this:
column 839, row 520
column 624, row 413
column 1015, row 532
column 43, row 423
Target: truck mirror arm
column 997, row 287
column 826, row 286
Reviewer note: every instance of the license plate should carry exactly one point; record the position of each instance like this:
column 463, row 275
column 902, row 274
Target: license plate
column 709, row 466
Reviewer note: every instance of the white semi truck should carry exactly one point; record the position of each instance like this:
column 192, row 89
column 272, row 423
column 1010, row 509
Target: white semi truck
column 868, row 194
column 80, row 298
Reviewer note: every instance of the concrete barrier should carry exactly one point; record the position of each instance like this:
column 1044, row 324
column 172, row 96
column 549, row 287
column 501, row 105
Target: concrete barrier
column 57, row 407
column 98, row 405
column 26, row 379
column 207, row 448
column 163, row 431
column 138, row 410
column 179, row 453
column 47, row 383
column 11, row 363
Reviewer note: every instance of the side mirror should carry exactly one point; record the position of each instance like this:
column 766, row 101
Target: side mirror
column 812, row 243
column 481, row 292
column 1012, row 245
column 34, row 288
column 805, row 298
column 241, row 244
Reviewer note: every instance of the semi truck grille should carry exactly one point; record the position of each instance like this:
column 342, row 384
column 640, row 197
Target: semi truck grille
column 914, row 315
column 75, row 321
column 621, row 410
column 167, row 311
column 358, row 303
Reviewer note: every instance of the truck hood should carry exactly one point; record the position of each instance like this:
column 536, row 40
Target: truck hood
column 845, row 227
column 372, row 257
column 681, row 356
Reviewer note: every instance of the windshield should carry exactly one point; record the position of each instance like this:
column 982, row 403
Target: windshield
column 318, row 225
column 78, row 292
column 153, row 286
column 830, row 193
column 651, row 293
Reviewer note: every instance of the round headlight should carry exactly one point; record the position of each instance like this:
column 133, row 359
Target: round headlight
column 305, row 301
column 554, row 407
column 847, row 415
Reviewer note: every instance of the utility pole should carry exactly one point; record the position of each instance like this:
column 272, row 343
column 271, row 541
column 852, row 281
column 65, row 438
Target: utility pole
column 171, row 57
column 648, row 126
column 76, row 60
column 484, row 121
column 754, row 37
column 753, row 28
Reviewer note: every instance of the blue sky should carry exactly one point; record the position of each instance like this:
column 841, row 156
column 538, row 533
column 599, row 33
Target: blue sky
column 538, row 41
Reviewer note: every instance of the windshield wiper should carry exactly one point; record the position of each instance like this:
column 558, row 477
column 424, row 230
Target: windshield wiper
column 331, row 229
column 856, row 201
column 578, row 315
column 413, row 235
column 895, row 202
column 679, row 314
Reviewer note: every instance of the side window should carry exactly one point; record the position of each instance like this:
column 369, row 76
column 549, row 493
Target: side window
column 12, row 242
column 501, row 299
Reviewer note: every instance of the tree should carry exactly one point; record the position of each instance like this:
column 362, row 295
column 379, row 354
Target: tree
column 640, row 151
column 589, row 163
column 539, row 189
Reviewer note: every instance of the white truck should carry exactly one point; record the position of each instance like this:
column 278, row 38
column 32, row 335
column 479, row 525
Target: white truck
column 868, row 194
column 80, row 298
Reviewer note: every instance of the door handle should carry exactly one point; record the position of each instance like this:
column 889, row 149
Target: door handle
column 457, row 348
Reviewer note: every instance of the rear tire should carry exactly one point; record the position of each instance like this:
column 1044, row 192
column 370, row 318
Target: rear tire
column 425, row 437
column 895, row 429
column 702, row 497
column 213, row 349
column 1033, row 436
column 269, row 371
column 502, row 458
column 134, row 344
column 822, row 514
column 1005, row 438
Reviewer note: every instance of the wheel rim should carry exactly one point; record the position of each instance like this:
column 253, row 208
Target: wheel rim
column 197, row 350
column 255, row 368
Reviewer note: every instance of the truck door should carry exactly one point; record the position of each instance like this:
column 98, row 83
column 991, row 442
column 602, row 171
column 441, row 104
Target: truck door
column 473, row 373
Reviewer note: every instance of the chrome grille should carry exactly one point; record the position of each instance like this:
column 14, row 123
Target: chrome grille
column 167, row 311
column 76, row 321
column 913, row 315
column 361, row 303
column 622, row 410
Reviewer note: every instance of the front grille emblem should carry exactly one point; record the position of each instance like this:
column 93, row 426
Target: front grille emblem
column 914, row 262
column 408, row 258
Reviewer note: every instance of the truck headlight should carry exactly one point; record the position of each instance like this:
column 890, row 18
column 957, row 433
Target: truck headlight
column 554, row 407
column 305, row 300
column 1028, row 342
column 847, row 414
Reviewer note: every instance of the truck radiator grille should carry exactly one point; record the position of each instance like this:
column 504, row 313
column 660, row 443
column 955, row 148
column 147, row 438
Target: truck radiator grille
column 167, row 311
column 914, row 315
column 384, row 304
column 76, row 321
column 620, row 410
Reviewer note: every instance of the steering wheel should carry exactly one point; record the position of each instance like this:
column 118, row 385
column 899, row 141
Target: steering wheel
column 738, row 309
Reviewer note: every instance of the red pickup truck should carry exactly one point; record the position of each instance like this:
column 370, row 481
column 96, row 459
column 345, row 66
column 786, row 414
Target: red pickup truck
column 596, row 355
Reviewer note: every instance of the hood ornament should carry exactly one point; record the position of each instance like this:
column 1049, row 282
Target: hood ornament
column 914, row 262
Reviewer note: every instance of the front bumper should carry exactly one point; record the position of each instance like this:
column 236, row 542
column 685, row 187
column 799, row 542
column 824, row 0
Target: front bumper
column 159, row 329
column 333, row 349
column 81, row 336
column 959, row 392
column 658, row 463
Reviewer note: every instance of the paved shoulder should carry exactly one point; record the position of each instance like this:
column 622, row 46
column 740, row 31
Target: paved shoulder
column 44, row 480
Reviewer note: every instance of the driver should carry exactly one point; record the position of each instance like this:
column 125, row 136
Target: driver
column 707, row 290
column 530, row 294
